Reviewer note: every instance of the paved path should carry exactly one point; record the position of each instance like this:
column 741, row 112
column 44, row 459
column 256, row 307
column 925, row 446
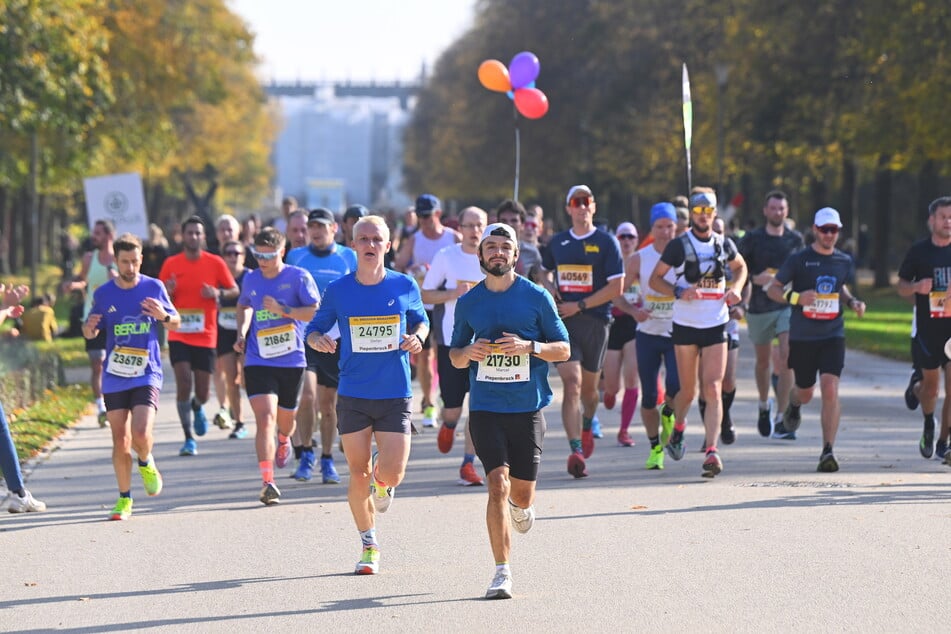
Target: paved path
column 770, row 545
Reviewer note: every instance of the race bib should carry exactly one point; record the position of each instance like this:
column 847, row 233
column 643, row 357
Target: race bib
column 128, row 362
column 503, row 368
column 192, row 321
column 575, row 278
column 936, row 304
column 826, row 307
column 661, row 306
column 375, row 334
column 228, row 318
column 276, row 341
column 709, row 288
column 633, row 294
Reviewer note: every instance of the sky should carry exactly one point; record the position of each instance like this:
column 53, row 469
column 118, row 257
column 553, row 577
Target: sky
column 361, row 40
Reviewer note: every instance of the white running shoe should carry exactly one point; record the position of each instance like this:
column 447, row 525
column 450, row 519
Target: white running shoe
column 501, row 586
column 26, row 504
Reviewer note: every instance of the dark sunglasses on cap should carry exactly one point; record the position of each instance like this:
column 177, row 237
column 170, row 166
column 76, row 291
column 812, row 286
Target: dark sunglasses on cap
column 627, row 236
column 828, row 229
column 580, row 201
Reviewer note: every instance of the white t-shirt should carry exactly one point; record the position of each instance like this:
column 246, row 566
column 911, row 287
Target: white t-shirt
column 451, row 265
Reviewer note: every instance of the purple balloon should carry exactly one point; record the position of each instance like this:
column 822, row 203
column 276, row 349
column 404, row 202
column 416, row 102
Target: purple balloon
column 523, row 69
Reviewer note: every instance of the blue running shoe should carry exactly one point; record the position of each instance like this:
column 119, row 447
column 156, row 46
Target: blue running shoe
column 596, row 427
column 328, row 471
column 201, row 421
column 239, row 432
column 675, row 446
column 305, row 470
column 190, row 448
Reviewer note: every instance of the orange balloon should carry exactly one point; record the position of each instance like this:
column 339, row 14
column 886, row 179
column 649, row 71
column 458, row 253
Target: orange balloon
column 494, row 75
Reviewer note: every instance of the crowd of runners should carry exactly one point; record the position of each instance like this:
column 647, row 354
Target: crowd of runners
column 323, row 337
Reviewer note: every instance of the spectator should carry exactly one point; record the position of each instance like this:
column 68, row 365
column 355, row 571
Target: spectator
column 154, row 251
column 39, row 321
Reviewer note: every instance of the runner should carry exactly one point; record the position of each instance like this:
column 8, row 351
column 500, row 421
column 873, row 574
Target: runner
column 506, row 332
column 350, row 218
column 529, row 264
column 196, row 281
column 455, row 269
column 326, row 261
column 622, row 348
column 275, row 301
column 99, row 266
column 415, row 256
column 818, row 275
column 227, row 229
column 381, row 319
column 589, row 274
column 700, row 259
column 764, row 250
column 296, row 234
column 129, row 310
column 654, row 344
column 925, row 274
column 227, row 363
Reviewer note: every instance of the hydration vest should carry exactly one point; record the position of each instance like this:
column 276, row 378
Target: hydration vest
column 692, row 271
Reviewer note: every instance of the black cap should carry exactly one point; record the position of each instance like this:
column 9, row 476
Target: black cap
column 356, row 211
column 321, row 215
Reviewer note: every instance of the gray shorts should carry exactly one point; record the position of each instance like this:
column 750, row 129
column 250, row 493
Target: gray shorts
column 588, row 337
column 385, row 414
column 764, row 327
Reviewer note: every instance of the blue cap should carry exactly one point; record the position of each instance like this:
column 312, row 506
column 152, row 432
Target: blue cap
column 427, row 204
column 704, row 199
column 663, row 210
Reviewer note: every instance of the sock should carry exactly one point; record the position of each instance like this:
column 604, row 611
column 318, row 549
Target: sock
column 586, row 423
column 654, row 441
column 298, row 450
column 282, row 439
column 680, row 425
column 666, row 410
column 185, row 417
column 827, row 448
column 929, row 421
column 125, row 494
column 467, row 458
column 379, row 483
column 267, row 470
column 238, row 425
column 503, row 567
column 451, row 425
column 195, row 404
column 763, row 405
column 368, row 537
column 628, row 407
column 147, row 462
column 101, row 404
column 575, row 444
column 326, row 456
column 728, row 401
column 711, row 448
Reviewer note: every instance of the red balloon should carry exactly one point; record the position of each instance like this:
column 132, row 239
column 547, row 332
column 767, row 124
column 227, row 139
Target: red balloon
column 531, row 103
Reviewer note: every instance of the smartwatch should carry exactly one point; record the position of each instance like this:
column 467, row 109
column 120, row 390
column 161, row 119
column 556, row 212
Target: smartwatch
column 581, row 305
column 536, row 347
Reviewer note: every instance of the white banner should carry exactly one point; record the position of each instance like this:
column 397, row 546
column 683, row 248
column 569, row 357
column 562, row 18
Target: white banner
column 120, row 199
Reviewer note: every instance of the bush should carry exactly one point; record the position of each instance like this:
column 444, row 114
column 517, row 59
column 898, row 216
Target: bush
column 26, row 373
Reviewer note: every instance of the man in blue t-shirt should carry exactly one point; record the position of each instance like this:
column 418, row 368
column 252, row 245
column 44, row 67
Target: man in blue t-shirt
column 589, row 273
column 326, row 261
column 130, row 309
column 382, row 321
column 506, row 331
column 819, row 275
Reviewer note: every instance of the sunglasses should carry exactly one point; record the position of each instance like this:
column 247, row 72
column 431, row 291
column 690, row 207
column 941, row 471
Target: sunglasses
column 265, row 256
column 627, row 236
column 703, row 211
column 234, row 253
column 829, row 229
column 580, row 201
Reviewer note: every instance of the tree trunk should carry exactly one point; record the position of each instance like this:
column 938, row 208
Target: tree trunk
column 883, row 222
column 6, row 224
column 929, row 188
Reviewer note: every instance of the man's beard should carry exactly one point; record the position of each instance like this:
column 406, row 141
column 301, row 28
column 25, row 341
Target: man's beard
column 498, row 270
column 128, row 279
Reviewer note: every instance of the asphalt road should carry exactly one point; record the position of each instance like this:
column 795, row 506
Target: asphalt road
column 769, row 545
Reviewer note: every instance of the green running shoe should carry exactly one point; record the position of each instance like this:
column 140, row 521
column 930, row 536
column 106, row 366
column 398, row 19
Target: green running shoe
column 369, row 563
column 151, row 478
column 666, row 424
column 656, row 459
column 122, row 510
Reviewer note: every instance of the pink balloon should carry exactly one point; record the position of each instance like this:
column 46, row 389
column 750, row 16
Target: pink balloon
column 523, row 69
column 531, row 103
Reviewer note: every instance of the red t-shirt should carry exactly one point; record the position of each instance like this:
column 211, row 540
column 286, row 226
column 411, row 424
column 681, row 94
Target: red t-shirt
column 199, row 315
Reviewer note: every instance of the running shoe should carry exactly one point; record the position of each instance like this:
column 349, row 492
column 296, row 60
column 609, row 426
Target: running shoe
column 941, row 449
column 947, row 458
column 382, row 496
column 429, row 416
column 328, row 472
column 151, row 478
column 122, row 510
column 501, row 586
column 624, row 439
column 468, row 476
column 576, row 466
column 522, row 519
column 792, row 417
column 712, row 466
column 596, row 427
column 102, row 419
column 201, row 420
column 587, row 442
column 609, row 400
column 666, row 424
column 239, row 432
column 445, row 438
column 727, row 431
column 270, row 494
column 676, row 447
column 283, row 453
column 656, row 458
column 827, row 463
column 190, row 448
column 764, row 422
column 926, row 444
column 369, row 563
column 911, row 400
column 223, row 419
column 305, row 469
column 781, row 433
column 25, row 504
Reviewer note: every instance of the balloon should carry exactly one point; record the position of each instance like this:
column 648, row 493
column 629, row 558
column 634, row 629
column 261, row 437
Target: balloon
column 494, row 76
column 523, row 69
column 531, row 103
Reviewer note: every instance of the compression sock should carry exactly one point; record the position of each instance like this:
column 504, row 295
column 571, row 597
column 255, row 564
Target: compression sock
column 368, row 537
column 267, row 470
column 586, row 423
column 185, row 416
column 575, row 444
column 628, row 407
column 727, row 401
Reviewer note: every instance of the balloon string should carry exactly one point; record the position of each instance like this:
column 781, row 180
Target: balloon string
column 518, row 157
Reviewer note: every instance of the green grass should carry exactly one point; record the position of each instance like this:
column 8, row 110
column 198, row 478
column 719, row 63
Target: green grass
column 886, row 327
column 72, row 352
column 38, row 425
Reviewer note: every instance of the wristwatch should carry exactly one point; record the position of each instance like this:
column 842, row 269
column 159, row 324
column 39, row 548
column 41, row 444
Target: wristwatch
column 536, row 347
column 582, row 305
column 168, row 318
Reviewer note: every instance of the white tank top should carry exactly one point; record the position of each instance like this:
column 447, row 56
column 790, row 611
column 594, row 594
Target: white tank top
column 97, row 276
column 424, row 250
column 661, row 307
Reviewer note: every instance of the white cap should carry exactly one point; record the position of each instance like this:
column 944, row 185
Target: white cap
column 626, row 228
column 576, row 190
column 827, row 216
column 499, row 229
